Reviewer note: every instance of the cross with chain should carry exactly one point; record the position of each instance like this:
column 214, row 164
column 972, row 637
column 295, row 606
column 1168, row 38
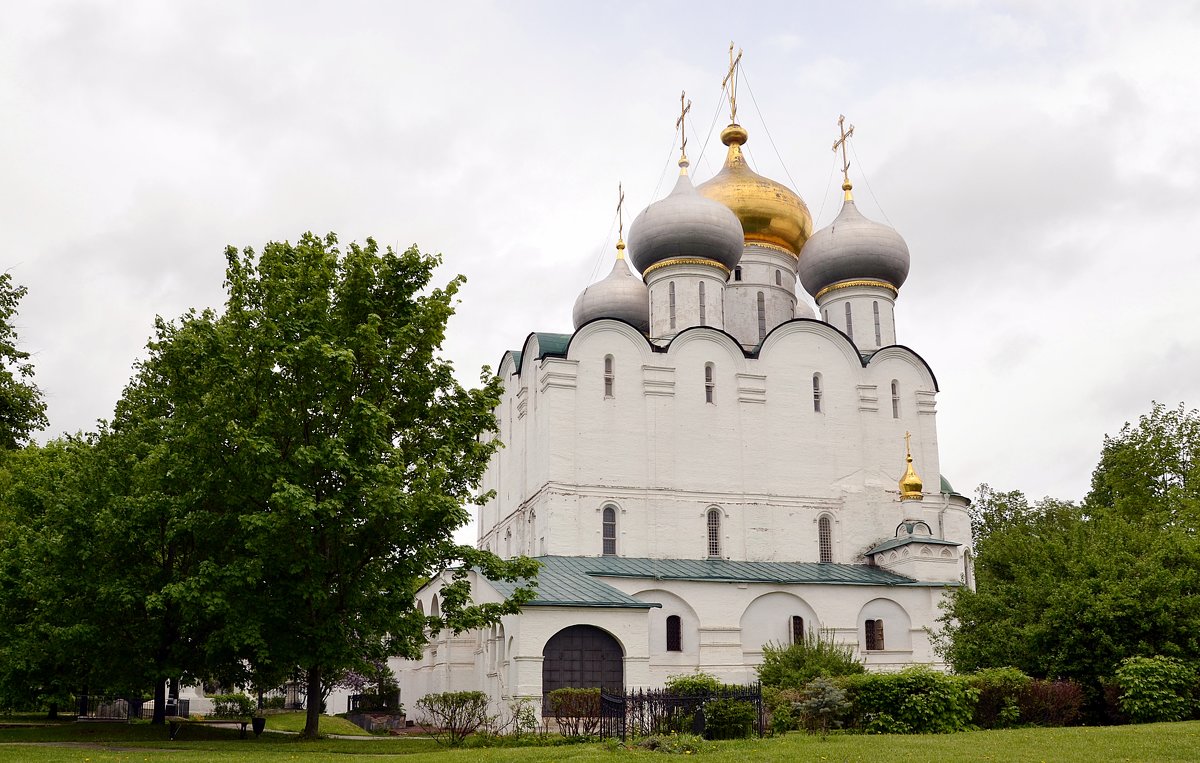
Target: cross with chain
column 731, row 81
column 620, row 214
column 684, row 108
column 841, row 143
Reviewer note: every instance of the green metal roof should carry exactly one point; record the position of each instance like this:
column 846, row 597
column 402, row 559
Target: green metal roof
column 577, row 580
column 898, row 542
column 552, row 344
column 946, row 486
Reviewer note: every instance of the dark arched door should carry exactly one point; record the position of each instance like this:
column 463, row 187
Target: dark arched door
column 582, row 656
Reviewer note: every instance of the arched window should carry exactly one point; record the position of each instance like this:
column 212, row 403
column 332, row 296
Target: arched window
column 762, row 316
column 508, row 542
column 674, row 634
column 709, row 384
column 608, row 376
column 825, row 539
column 895, row 399
column 797, row 623
column 878, row 335
column 874, row 634
column 737, row 273
column 714, row 533
column 817, row 393
column 609, row 530
column 969, row 568
column 671, row 302
column 701, row 290
column 779, row 278
column 827, row 316
column 849, row 323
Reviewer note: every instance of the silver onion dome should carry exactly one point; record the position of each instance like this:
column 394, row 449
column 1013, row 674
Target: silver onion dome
column 852, row 247
column 688, row 225
column 620, row 295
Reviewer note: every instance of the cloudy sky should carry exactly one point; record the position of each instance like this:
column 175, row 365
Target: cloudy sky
column 1041, row 160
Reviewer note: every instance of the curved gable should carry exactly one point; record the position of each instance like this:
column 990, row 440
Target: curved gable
column 712, row 337
column 903, row 354
column 812, row 327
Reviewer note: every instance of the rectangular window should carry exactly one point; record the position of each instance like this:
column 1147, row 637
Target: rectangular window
column 873, row 631
column 608, row 376
column 849, row 323
column 878, row 335
column 709, row 385
column 702, row 323
column 671, row 300
column 797, row 629
column 674, row 634
column 762, row 317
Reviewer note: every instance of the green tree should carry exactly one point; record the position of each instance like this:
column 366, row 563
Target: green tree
column 22, row 410
column 1067, row 591
column 327, row 453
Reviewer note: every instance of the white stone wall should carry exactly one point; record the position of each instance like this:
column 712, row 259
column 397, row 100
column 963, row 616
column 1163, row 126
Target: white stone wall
column 865, row 303
column 662, row 454
column 759, row 267
column 686, row 280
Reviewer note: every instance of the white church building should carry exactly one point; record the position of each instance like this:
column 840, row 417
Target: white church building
column 708, row 464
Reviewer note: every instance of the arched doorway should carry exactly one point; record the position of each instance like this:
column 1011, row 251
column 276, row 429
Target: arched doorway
column 582, row 656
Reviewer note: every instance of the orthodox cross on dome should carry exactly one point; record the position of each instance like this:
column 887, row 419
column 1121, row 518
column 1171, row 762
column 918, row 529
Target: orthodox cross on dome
column 620, row 222
column 841, row 143
column 730, row 81
column 684, row 108
column 907, row 435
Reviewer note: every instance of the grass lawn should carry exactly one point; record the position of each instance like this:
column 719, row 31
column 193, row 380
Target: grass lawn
column 142, row 743
column 330, row 724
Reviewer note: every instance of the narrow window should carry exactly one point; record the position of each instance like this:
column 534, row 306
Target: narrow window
column 779, row 278
column 737, row 273
column 878, row 335
column 817, row 393
column 895, row 399
column 968, row 571
column 608, row 375
column 508, row 543
column 825, row 539
column 714, row 533
column 874, row 634
column 709, row 385
column 849, row 323
column 671, row 300
column 762, row 317
column 827, row 316
column 674, row 634
column 701, row 289
column 610, row 531
column 797, row 629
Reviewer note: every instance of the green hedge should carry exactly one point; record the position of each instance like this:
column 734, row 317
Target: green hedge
column 1156, row 689
column 917, row 700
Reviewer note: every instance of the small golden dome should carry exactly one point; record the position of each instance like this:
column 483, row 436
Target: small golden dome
column 910, row 484
column 770, row 212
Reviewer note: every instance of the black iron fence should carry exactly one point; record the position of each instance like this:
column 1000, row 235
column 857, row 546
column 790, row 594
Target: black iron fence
column 659, row 711
column 96, row 708
column 386, row 701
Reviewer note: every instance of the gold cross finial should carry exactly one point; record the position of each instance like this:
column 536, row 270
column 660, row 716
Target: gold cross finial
column 730, row 81
column 684, row 108
column 841, row 143
column 907, row 446
column 620, row 222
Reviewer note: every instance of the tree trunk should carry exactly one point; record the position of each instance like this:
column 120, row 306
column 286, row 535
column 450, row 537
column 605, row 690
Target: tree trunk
column 313, row 717
column 53, row 711
column 160, row 702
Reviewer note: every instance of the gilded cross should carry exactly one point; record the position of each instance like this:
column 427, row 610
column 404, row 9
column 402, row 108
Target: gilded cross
column 730, row 81
column 684, row 108
column 841, row 143
column 907, row 447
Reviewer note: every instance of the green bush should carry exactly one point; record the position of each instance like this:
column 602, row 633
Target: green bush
column 232, row 706
column 1052, row 703
column 780, row 706
column 273, row 703
column 917, row 700
column 577, row 711
column 729, row 719
column 1156, row 688
column 1000, row 691
column 693, row 684
column 823, row 705
column 453, row 715
column 795, row 665
column 672, row 744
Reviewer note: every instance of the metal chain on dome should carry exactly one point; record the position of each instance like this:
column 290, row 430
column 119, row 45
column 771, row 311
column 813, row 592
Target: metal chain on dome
column 767, row 130
column 863, row 172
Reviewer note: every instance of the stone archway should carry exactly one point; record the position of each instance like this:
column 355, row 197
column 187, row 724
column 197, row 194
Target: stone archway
column 582, row 656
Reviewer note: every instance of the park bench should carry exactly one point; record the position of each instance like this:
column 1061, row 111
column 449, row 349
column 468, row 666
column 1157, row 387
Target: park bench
column 175, row 724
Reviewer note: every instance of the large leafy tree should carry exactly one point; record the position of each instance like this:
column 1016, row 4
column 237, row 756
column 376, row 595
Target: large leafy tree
column 1068, row 591
column 327, row 453
column 22, row 409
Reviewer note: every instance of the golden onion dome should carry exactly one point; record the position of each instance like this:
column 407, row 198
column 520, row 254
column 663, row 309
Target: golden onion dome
column 911, row 488
column 770, row 212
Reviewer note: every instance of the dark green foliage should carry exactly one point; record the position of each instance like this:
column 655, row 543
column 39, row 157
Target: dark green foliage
column 577, row 711
column 795, row 665
column 823, row 705
column 729, row 719
column 672, row 744
column 1052, row 703
column 22, row 410
column 780, row 708
column 1157, row 689
column 1000, row 692
column 451, row 716
column 232, row 706
column 916, row 700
